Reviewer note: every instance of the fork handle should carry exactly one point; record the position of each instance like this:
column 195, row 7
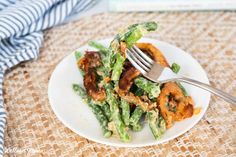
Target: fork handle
column 227, row 97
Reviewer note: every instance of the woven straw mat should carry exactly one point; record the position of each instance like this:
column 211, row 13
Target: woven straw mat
column 210, row 37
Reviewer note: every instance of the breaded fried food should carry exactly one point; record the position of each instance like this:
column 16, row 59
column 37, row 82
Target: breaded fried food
column 174, row 106
column 90, row 60
column 90, row 84
column 88, row 63
column 154, row 53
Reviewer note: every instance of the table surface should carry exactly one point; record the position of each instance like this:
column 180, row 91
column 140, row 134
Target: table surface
column 210, row 37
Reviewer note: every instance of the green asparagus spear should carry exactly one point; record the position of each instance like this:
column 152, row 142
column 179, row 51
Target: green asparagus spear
column 152, row 89
column 96, row 109
column 125, row 111
column 156, row 124
column 175, row 67
column 136, row 115
column 116, row 117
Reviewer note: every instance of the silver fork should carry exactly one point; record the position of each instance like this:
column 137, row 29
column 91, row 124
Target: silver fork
column 155, row 72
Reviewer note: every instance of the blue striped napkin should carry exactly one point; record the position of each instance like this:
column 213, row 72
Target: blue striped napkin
column 21, row 25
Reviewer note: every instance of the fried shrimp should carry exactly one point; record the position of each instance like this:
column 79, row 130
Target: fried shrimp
column 174, row 106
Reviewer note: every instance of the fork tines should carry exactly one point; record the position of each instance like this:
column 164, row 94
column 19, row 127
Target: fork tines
column 139, row 59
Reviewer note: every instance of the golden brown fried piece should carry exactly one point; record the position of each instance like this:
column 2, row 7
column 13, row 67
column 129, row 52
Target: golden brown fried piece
column 173, row 105
column 154, row 53
column 90, row 61
column 90, row 84
column 127, row 79
column 184, row 110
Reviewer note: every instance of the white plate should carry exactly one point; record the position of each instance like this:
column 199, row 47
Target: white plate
column 70, row 109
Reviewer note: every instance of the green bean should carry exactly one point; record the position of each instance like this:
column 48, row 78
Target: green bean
column 152, row 89
column 175, row 67
column 106, row 109
column 99, row 47
column 156, row 124
column 78, row 55
column 81, row 92
column 137, row 127
column 96, row 109
column 86, row 98
column 162, row 124
column 136, row 31
column 118, row 67
column 139, row 92
column 132, row 34
column 102, row 119
column 115, row 44
column 116, row 117
column 107, row 57
column 136, row 115
column 125, row 111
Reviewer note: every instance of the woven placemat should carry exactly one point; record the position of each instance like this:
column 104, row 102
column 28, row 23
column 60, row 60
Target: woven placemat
column 210, row 37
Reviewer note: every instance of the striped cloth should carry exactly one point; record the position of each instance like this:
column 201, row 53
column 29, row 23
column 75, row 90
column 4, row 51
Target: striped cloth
column 21, row 25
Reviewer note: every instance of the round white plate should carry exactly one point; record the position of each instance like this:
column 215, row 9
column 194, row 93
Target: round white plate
column 76, row 115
